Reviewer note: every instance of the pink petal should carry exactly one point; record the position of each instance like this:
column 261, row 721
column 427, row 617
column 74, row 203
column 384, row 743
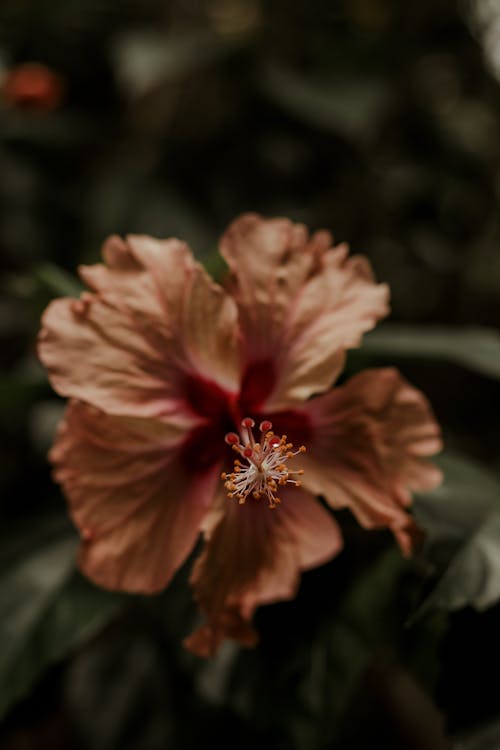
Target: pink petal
column 154, row 319
column 301, row 303
column 369, row 439
column 137, row 507
column 254, row 556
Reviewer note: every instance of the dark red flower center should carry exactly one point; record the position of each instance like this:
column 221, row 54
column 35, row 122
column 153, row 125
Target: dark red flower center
column 223, row 412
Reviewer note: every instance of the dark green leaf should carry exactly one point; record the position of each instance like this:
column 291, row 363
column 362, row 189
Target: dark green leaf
column 365, row 619
column 473, row 576
column 46, row 608
column 475, row 348
column 346, row 105
column 462, row 522
column 57, row 281
column 304, row 688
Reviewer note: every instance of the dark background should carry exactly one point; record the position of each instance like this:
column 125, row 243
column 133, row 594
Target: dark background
column 376, row 119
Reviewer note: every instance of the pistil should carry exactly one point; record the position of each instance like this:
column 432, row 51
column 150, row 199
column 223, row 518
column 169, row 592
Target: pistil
column 261, row 467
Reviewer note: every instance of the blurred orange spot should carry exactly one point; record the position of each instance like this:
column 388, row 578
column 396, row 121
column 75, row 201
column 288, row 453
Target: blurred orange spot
column 33, row 86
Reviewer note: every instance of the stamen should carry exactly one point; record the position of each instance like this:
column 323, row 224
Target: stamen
column 264, row 468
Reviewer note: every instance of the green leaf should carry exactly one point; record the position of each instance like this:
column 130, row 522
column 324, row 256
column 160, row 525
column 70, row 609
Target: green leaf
column 475, row 348
column 462, row 522
column 473, row 576
column 57, row 281
column 367, row 616
column 483, row 737
column 347, row 104
column 461, row 503
column 215, row 265
column 301, row 688
column 146, row 59
column 46, row 608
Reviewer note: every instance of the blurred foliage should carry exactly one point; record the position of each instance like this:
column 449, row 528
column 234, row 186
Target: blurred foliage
column 461, row 519
column 374, row 118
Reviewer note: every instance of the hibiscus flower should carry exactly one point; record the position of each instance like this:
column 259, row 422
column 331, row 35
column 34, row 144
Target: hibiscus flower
column 174, row 380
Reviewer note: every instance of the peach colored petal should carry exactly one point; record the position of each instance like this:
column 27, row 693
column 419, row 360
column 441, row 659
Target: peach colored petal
column 367, row 452
column 154, row 317
column 254, row 556
column 301, row 303
column 229, row 625
column 138, row 509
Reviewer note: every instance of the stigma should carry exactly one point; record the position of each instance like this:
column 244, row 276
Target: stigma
column 261, row 467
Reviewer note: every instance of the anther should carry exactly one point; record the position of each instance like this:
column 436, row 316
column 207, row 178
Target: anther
column 261, row 467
